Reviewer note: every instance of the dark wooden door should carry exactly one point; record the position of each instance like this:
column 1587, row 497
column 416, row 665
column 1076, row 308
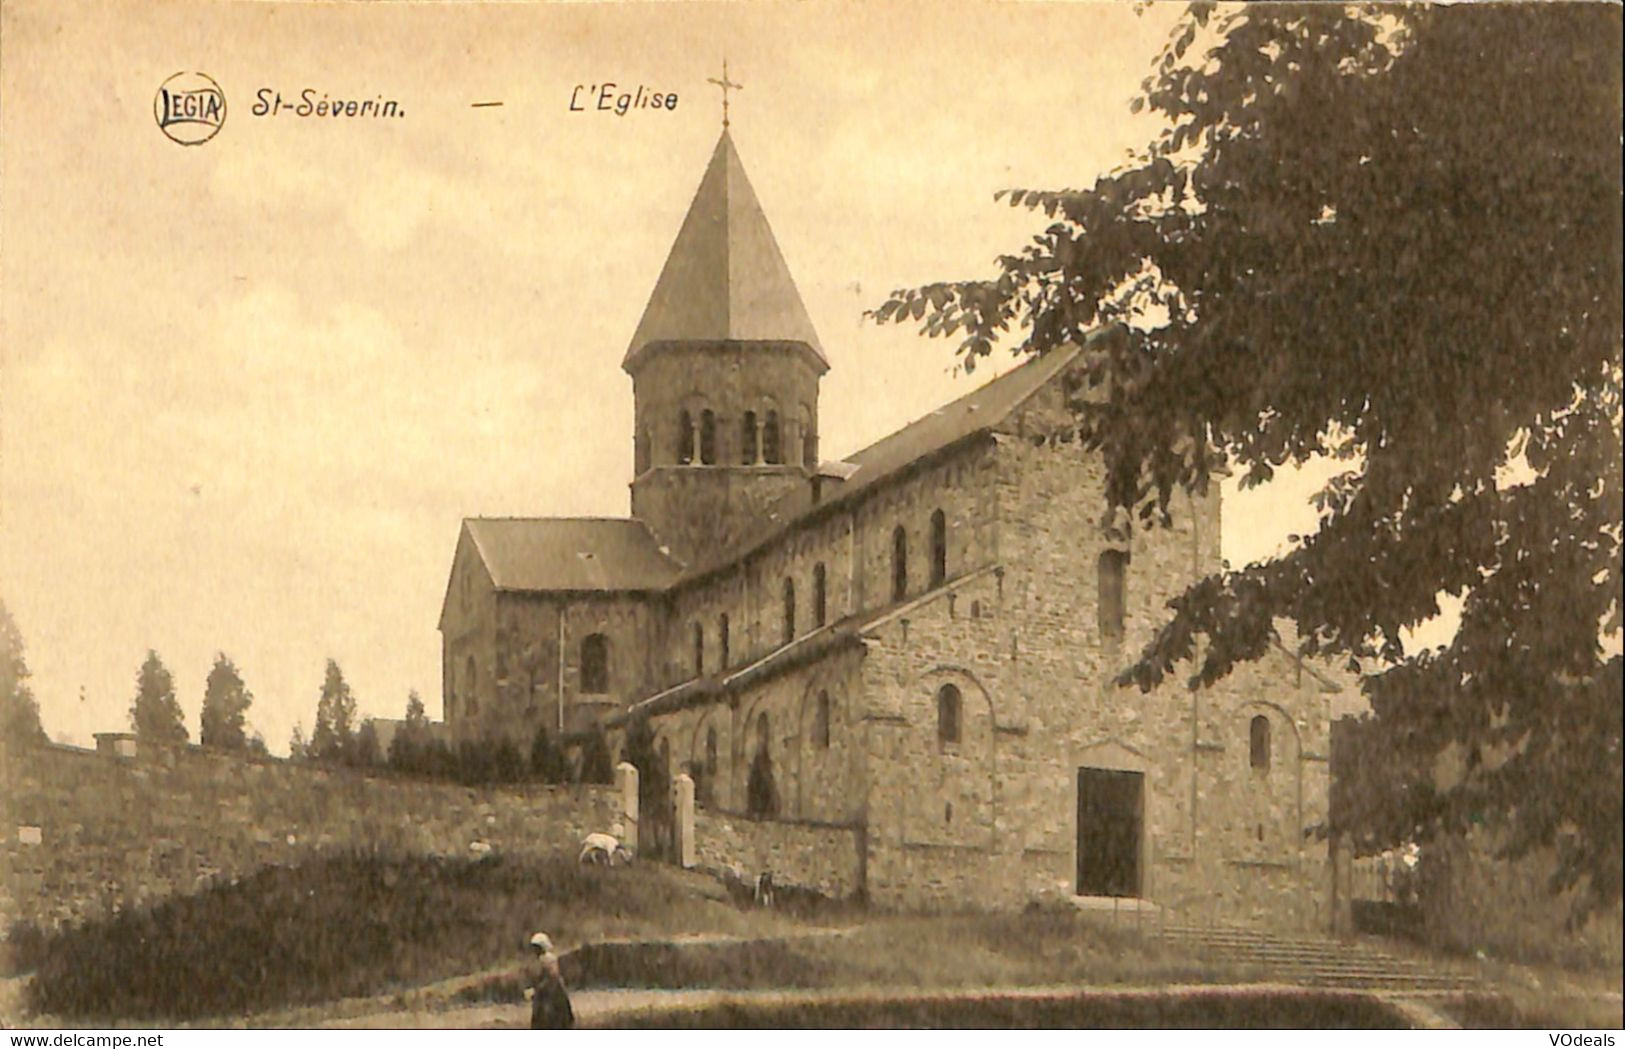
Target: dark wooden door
column 1110, row 813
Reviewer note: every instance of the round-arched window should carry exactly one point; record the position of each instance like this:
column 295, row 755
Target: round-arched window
column 949, row 711
column 1258, row 742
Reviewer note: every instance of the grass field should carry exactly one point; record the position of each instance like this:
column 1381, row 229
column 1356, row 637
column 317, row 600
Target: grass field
column 295, row 941
column 355, row 925
column 1092, row 1010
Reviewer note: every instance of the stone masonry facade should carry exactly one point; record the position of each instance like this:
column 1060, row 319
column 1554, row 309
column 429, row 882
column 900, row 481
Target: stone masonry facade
column 915, row 646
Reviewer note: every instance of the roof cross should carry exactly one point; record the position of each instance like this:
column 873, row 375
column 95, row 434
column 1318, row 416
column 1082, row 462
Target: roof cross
column 725, row 84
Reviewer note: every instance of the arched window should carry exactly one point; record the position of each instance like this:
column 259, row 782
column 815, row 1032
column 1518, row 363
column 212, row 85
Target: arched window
column 748, row 439
column 939, row 548
column 820, row 730
column 772, row 446
column 1113, row 592
column 789, row 609
column 899, row 563
column 595, row 664
column 685, row 437
column 820, row 595
column 708, row 438
column 761, row 794
column 809, row 439
column 723, row 659
column 1258, row 740
column 471, row 683
column 699, row 650
column 948, row 714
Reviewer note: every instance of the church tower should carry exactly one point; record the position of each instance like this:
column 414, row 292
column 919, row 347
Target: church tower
column 725, row 367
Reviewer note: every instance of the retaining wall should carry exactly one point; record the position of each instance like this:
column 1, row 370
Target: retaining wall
column 84, row 832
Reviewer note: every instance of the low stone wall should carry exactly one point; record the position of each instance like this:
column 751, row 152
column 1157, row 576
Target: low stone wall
column 83, row 833
column 823, row 857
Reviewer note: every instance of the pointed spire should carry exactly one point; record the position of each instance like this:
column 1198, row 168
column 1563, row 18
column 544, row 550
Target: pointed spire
column 725, row 279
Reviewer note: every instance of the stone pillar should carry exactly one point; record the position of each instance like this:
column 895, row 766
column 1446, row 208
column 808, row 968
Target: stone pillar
column 626, row 779
column 683, row 796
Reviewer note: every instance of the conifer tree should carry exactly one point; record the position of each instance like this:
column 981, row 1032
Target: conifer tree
column 154, row 713
column 19, row 713
column 334, row 734
column 225, row 703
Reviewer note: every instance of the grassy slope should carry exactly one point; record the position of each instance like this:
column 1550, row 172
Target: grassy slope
column 351, row 926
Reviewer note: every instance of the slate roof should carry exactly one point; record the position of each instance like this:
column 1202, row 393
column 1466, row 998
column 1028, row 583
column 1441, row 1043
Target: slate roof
column 571, row 553
column 725, row 279
column 977, row 411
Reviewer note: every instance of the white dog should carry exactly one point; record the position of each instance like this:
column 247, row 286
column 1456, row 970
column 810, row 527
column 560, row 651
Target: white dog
column 604, row 849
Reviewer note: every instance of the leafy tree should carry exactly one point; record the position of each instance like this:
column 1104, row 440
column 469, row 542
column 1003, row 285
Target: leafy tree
column 1389, row 236
column 334, row 734
column 366, row 753
column 225, row 703
column 546, row 759
column 406, row 748
column 472, row 762
column 298, row 747
column 155, row 713
column 19, row 713
column 416, row 717
column 439, row 760
column 596, row 766
column 507, row 764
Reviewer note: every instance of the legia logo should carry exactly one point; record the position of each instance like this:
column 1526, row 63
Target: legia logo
column 190, row 108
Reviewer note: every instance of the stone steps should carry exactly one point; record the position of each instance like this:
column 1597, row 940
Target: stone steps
column 1317, row 961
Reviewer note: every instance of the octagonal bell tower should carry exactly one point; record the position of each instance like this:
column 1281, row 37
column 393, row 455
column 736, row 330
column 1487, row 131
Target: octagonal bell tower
column 725, row 367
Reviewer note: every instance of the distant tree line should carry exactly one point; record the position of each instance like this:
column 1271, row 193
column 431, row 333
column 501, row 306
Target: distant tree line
column 155, row 713
column 337, row 739
column 416, row 749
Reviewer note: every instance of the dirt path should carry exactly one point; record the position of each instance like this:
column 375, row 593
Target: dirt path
column 604, row 1008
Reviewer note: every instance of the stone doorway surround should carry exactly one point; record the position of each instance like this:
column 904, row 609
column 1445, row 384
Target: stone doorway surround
column 1112, row 755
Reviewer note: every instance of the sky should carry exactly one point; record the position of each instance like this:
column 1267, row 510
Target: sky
column 249, row 388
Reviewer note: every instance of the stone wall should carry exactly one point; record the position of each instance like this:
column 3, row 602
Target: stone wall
column 992, row 818
column 84, row 832
column 854, row 546
column 506, row 656
column 826, row 858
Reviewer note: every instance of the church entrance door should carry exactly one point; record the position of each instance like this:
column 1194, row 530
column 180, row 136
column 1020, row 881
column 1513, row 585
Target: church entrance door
column 1111, row 814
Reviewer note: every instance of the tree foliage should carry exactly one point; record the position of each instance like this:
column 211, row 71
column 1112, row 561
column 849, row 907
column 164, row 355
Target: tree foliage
column 154, row 713
column 546, row 758
column 366, row 752
column 407, row 746
column 19, row 713
column 596, row 764
column 1389, row 236
column 333, row 738
column 225, row 706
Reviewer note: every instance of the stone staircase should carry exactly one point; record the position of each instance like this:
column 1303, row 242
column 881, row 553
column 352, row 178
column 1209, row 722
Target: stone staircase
column 1310, row 960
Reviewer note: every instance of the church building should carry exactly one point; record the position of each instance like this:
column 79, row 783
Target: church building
column 914, row 643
